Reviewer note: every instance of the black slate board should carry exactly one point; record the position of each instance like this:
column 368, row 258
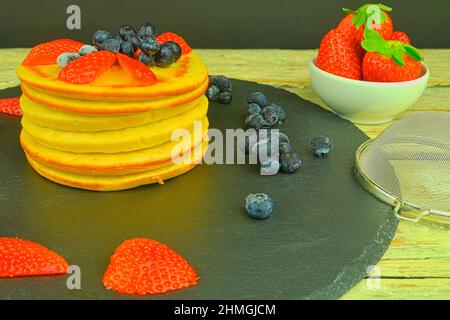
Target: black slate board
column 324, row 233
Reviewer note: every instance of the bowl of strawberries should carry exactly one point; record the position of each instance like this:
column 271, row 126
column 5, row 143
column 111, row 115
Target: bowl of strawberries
column 365, row 71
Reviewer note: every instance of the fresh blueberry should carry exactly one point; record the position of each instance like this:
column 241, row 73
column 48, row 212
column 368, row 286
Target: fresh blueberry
column 148, row 60
column 176, row 49
column 253, row 108
column 258, row 205
column 290, row 162
column 147, row 30
column 212, row 93
column 86, row 49
column 149, row 46
column 126, row 31
column 270, row 114
column 270, row 167
column 135, row 41
column 127, row 48
column 221, row 82
column 285, row 148
column 321, row 146
column 225, row 97
column 255, row 121
column 258, row 98
column 111, row 44
column 165, row 56
column 99, row 37
column 65, row 58
column 280, row 111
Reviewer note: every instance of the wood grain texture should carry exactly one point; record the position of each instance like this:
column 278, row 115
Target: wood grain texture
column 417, row 263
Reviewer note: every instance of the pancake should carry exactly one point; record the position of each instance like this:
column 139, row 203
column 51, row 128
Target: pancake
column 185, row 75
column 102, row 183
column 128, row 139
column 104, row 164
column 43, row 116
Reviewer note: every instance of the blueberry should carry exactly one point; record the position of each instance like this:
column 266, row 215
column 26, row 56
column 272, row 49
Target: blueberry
column 285, row 147
column 253, row 108
column 111, row 44
column 225, row 97
column 127, row 48
column 258, row 205
column 258, row 98
column 212, row 93
column 165, row 56
column 270, row 114
column 126, row 31
column 255, row 121
column 176, row 49
column 321, row 146
column 280, row 111
column 290, row 162
column 65, row 58
column 147, row 30
column 221, row 82
column 149, row 46
column 99, row 37
column 135, row 41
column 148, row 60
column 270, row 167
column 86, row 49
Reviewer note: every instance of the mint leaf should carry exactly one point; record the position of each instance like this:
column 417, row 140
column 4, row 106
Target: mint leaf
column 413, row 52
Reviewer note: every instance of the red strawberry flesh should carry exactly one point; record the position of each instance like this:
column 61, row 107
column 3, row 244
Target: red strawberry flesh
column 137, row 70
column 48, row 52
column 170, row 36
column 11, row 106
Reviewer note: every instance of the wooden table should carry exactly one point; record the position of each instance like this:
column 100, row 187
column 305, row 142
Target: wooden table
column 417, row 264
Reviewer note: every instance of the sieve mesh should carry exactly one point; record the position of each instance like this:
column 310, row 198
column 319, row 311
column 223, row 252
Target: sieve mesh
column 411, row 161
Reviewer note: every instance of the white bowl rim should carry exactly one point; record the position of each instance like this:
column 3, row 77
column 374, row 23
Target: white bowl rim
column 373, row 83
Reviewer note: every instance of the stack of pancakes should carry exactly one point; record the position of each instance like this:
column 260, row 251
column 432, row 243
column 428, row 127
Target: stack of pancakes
column 112, row 134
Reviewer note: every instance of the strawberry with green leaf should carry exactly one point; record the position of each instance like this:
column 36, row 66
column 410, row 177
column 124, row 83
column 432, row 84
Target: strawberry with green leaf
column 389, row 61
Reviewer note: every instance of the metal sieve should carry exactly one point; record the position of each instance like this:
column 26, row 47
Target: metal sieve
column 408, row 167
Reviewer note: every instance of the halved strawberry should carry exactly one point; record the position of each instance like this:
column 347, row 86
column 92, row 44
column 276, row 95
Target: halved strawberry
column 144, row 266
column 170, row 36
column 19, row 257
column 87, row 68
column 47, row 53
column 11, row 106
column 137, row 70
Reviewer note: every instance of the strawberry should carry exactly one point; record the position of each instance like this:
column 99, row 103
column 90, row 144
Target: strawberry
column 169, row 36
column 337, row 55
column 10, row 106
column 87, row 68
column 354, row 23
column 144, row 266
column 401, row 36
column 137, row 70
column 389, row 61
column 19, row 257
column 47, row 53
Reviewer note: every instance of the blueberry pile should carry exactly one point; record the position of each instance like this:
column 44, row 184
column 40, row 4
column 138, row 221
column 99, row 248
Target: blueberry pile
column 258, row 205
column 67, row 57
column 321, row 146
column 261, row 114
column 128, row 41
column 220, row 89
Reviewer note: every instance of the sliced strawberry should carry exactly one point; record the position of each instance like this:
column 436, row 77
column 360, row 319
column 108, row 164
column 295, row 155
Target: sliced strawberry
column 137, row 70
column 19, row 257
column 47, row 53
column 87, row 68
column 144, row 266
column 10, row 106
column 169, row 36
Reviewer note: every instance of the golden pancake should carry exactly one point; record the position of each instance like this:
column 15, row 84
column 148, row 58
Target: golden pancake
column 68, row 121
column 108, row 164
column 128, row 139
column 185, row 75
column 102, row 183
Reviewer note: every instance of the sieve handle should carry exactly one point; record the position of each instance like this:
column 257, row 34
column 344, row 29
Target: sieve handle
column 420, row 214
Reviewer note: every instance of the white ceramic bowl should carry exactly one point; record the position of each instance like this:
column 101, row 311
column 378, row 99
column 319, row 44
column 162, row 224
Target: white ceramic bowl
column 366, row 102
